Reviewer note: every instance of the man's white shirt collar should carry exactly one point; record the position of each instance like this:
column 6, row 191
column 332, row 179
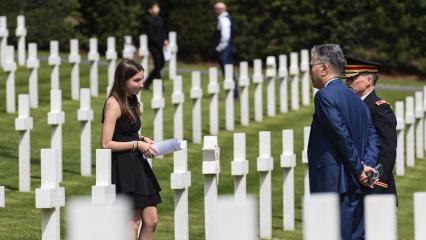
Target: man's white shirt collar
column 224, row 14
column 365, row 95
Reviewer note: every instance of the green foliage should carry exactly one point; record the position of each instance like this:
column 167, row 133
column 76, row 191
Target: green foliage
column 104, row 18
column 195, row 24
column 393, row 32
column 45, row 20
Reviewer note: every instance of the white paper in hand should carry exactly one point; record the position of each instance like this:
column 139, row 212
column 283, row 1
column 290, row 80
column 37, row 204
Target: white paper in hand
column 167, row 53
column 167, row 146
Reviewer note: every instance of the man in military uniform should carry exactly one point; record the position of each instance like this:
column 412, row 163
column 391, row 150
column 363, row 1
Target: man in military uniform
column 361, row 76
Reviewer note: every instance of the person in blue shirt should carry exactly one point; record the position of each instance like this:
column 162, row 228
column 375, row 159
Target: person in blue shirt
column 343, row 144
column 223, row 39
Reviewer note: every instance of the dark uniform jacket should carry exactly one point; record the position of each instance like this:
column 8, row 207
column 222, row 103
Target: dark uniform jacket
column 155, row 31
column 384, row 121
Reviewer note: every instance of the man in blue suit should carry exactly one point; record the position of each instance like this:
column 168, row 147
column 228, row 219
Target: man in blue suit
column 343, row 143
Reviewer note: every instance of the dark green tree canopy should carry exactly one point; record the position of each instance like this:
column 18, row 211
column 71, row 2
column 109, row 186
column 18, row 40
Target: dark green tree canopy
column 392, row 32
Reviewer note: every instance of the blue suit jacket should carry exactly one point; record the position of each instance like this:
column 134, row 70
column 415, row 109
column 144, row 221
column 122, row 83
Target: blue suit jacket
column 342, row 136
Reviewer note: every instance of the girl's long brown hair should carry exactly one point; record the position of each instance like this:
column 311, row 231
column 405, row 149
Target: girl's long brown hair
column 125, row 70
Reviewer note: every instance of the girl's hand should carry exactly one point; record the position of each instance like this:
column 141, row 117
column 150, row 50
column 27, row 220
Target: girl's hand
column 148, row 140
column 147, row 149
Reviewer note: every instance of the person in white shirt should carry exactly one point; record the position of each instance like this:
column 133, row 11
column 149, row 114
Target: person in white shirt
column 223, row 39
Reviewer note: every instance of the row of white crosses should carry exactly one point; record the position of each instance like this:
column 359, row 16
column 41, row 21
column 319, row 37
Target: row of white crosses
column 4, row 33
column 106, row 216
column 50, row 196
column 321, row 217
column 55, row 118
column 9, row 66
column 239, row 169
column 7, row 58
column 74, row 58
column 228, row 218
column 157, row 102
column 20, row 32
column 8, row 62
column 411, row 130
column 128, row 52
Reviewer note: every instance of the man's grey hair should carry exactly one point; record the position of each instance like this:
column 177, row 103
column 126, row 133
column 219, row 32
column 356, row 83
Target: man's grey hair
column 374, row 76
column 330, row 54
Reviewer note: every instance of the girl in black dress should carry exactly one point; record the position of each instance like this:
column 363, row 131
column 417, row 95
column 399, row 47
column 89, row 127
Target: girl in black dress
column 131, row 173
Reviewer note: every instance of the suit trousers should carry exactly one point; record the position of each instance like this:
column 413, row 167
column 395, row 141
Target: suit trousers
column 225, row 57
column 158, row 57
column 352, row 216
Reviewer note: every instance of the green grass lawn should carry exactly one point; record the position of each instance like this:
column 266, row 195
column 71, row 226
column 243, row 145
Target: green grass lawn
column 21, row 220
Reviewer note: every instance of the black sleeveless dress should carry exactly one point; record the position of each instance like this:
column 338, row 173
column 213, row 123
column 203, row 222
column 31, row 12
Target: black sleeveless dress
column 131, row 172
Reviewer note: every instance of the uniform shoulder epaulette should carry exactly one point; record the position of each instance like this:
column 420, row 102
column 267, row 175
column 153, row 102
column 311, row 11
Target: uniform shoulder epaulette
column 380, row 102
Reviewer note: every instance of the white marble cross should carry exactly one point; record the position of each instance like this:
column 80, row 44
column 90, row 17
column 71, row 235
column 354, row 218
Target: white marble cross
column 424, row 121
column 50, row 197
column 128, row 50
column 288, row 163
column 93, row 57
column 21, row 32
column 419, row 215
column 258, row 92
column 211, row 170
column 143, row 52
column 23, row 124
column 400, row 149
column 111, row 56
column 4, row 33
column 9, row 66
column 55, row 118
column 410, row 120
column 103, row 192
column 304, row 68
column 235, row 219
column 265, row 164
column 196, row 95
column 213, row 90
column 283, row 76
column 86, row 221
column 173, row 47
column 178, row 98
column 228, row 86
column 180, row 181
column 380, row 217
column 271, row 75
column 321, row 219
column 54, row 61
column 2, row 197
column 419, row 114
column 244, row 83
column 75, row 59
column 33, row 64
column 294, row 73
column 85, row 116
column 240, row 166
column 157, row 104
column 306, row 132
